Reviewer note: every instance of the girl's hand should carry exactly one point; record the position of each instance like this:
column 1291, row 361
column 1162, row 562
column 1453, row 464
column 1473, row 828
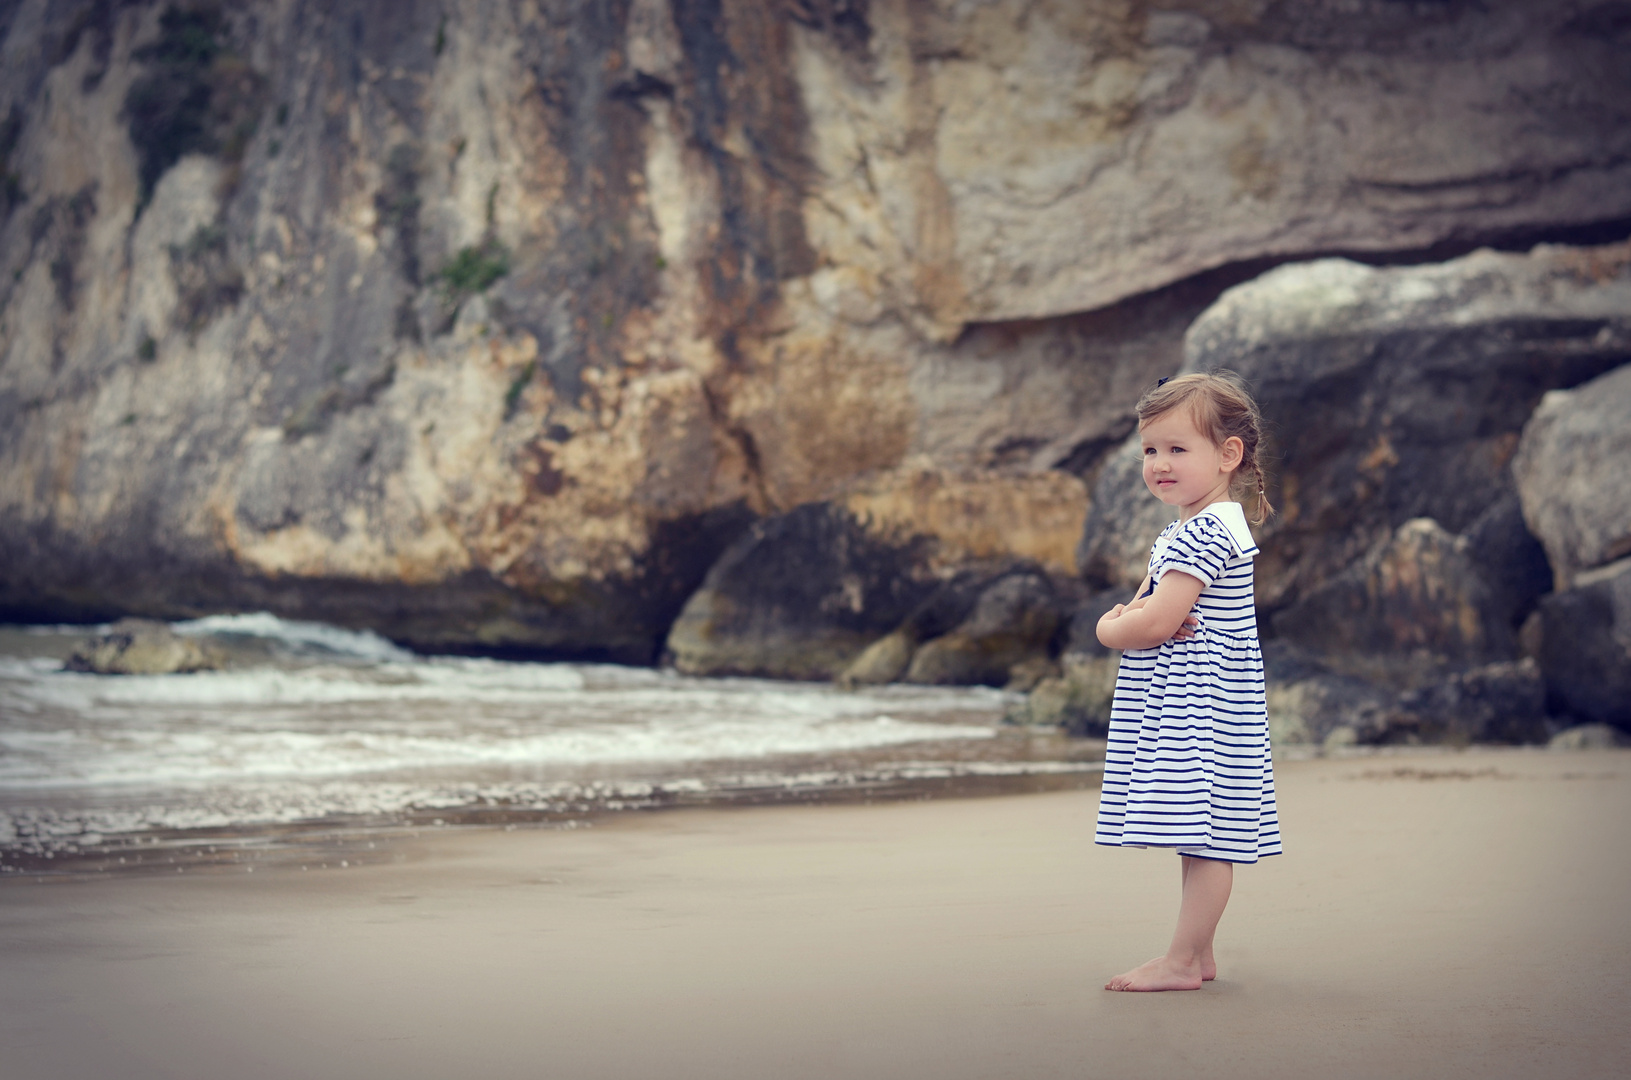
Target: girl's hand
column 1108, row 619
column 1148, row 621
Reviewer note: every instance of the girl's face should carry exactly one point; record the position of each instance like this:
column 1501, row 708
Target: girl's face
column 1182, row 467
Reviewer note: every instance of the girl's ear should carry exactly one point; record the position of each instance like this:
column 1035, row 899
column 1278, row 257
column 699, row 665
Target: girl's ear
column 1231, row 453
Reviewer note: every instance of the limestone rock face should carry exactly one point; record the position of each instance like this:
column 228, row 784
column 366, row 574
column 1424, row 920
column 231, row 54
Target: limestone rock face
column 1027, row 160
column 1574, row 474
column 492, row 324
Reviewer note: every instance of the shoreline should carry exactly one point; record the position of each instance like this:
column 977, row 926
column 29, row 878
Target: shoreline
column 943, row 939
column 361, row 839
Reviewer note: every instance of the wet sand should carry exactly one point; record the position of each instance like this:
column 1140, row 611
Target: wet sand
column 1436, row 915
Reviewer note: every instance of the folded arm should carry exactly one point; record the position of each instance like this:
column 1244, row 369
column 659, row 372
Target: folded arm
column 1147, row 622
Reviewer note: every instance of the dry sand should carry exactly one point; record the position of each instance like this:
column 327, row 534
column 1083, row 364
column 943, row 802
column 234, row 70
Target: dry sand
column 1437, row 915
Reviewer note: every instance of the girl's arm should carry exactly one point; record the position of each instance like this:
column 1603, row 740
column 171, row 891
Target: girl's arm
column 1146, row 625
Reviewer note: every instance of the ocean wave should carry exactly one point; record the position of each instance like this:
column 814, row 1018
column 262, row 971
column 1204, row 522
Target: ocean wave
column 360, row 644
column 339, row 722
column 181, row 756
column 459, row 681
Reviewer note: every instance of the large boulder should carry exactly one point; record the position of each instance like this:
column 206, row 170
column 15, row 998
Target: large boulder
column 1313, row 700
column 1417, row 597
column 1400, row 561
column 1573, row 469
column 1500, row 540
column 1503, row 702
column 821, row 593
column 1012, row 621
column 1584, row 645
column 1327, row 709
column 887, row 658
column 1573, row 476
column 1390, row 394
column 799, row 597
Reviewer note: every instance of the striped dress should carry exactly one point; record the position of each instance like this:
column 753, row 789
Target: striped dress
column 1188, row 764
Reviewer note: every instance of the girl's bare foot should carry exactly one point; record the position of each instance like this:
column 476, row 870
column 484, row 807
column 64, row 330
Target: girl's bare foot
column 1209, row 966
column 1162, row 973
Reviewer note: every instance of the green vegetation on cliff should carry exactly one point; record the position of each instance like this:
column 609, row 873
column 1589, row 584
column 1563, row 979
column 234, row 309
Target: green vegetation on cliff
column 475, row 268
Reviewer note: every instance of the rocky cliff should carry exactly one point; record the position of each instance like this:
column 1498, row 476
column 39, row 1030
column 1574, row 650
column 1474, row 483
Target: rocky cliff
column 495, row 324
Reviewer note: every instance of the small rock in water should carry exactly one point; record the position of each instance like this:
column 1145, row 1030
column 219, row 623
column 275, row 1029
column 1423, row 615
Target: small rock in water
column 142, row 647
column 1340, row 738
column 880, row 662
column 1026, row 675
column 1588, row 737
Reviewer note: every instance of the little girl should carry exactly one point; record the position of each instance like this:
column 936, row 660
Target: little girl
column 1188, row 766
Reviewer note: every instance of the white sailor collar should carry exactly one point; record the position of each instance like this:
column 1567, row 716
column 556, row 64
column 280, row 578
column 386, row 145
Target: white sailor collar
column 1232, row 516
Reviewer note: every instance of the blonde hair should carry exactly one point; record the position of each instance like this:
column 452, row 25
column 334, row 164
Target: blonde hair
column 1222, row 408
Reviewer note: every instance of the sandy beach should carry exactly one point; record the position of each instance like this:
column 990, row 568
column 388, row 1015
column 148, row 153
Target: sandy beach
column 1437, row 914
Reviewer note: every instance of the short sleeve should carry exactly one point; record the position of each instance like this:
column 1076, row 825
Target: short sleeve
column 1200, row 548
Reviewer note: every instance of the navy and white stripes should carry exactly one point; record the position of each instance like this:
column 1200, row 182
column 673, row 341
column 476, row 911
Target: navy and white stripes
column 1188, row 764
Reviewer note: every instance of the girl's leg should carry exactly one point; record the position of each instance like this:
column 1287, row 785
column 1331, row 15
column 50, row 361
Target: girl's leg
column 1209, row 964
column 1207, row 883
